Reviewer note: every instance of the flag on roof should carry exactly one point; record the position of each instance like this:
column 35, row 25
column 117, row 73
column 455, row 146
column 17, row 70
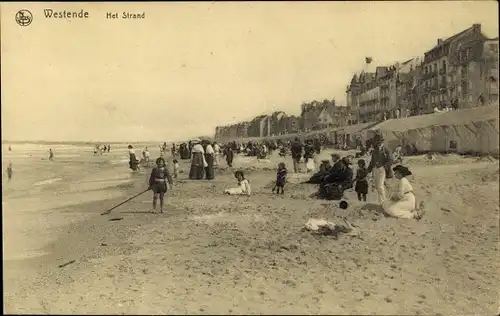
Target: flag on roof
column 368, row 60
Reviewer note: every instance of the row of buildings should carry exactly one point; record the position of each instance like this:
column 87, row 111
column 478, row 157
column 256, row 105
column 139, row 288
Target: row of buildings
column 314, row 115
column 459, row 72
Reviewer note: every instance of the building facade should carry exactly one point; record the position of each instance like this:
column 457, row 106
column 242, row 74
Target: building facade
column 242, row 130
column 461, row 72
column 275, row 120
column 453, row 72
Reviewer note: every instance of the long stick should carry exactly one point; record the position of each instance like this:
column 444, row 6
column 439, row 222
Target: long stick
column 109, row 211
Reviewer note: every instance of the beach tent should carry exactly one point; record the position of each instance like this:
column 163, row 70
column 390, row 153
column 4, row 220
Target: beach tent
column 351, row 132
column 473, row 130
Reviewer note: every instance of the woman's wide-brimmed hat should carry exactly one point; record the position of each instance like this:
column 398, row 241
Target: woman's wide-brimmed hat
column 402, row 170
column 196, row 141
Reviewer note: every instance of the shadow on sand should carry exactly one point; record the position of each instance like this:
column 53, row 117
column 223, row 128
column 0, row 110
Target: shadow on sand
column 136, row 212
column 372, row 207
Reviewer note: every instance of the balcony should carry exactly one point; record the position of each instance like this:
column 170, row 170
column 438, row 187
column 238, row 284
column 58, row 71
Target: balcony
column 443, row 84
column 442, row 71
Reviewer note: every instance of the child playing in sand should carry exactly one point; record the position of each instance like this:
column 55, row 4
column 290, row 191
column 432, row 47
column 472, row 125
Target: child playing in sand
column 9, row 171
column 158, row 182
column 280, row 178
column 361, row 187
column 243, row 185
column 176, row 168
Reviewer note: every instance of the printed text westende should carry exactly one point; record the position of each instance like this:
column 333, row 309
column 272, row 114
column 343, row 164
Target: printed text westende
column 49, row 13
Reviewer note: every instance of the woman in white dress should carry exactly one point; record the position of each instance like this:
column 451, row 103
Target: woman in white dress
column 404, row 203
column 243, row 185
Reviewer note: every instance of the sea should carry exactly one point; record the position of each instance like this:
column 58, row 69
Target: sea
column 43, row 196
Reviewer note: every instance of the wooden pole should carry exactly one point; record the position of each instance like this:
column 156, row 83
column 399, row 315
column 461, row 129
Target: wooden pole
column 128, row 200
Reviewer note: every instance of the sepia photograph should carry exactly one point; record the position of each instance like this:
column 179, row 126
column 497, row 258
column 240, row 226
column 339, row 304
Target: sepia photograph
column 250, row 158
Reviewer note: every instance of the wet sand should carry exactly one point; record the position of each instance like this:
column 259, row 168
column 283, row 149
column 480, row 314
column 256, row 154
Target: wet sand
column 214, row 254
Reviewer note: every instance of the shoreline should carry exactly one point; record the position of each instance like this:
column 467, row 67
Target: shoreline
column 72, row 241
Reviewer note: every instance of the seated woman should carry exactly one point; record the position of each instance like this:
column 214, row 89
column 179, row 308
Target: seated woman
column 334, row 184
column 404, row 203
column 324, row 169
column 243, row 185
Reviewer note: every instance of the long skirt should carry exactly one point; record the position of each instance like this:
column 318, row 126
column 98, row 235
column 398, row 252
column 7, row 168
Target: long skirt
column 404, row 208
column 234, row 191
column 209, row 170
column 197, row 171
column 184, row 153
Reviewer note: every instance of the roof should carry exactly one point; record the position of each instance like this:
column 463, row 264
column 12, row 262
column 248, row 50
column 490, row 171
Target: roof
column 454, row 37
column 405, row 62
column 459, row 117
column 450, row 39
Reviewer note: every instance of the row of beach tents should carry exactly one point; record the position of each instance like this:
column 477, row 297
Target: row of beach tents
column 473, row 130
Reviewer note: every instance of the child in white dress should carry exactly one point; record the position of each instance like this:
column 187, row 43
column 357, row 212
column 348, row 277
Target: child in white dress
column 243, row 185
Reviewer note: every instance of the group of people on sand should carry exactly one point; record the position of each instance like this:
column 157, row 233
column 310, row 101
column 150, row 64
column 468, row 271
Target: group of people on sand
column 333, row 178
column 202, row 161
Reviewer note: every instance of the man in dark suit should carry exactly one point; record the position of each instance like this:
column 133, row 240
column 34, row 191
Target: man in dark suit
column 296, row 149
column 380, row 165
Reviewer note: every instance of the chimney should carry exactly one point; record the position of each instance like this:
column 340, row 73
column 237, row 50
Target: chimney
column 440, row 41
column 476, row 28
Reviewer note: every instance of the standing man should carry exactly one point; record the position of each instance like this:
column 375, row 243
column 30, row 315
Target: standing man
column 380, row 165
column 296, row 154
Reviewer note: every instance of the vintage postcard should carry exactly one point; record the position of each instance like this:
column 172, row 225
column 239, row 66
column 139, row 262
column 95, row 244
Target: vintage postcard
column 250, row 157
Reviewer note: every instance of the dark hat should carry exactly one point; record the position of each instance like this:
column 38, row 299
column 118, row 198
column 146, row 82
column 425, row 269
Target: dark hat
column 343, row 205
column 160, row 159
column 378, row 138
column 335, row 155
column 325, row 161
column 129, row 146
column 403, row 170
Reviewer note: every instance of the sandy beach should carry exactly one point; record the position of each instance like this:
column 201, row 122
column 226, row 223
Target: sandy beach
column 215, row 254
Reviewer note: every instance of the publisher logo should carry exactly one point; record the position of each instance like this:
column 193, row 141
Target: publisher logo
column 24, row 17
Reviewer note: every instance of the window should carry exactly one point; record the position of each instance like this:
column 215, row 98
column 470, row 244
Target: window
column 444, row 65
column 435, row 67
column 494, row 48
column 469, row 85
column 469, row 97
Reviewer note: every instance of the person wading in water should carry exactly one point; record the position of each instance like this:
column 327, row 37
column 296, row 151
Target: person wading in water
column 133, row 162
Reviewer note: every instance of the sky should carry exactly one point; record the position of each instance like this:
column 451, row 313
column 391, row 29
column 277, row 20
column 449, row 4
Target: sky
column 189, row 67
